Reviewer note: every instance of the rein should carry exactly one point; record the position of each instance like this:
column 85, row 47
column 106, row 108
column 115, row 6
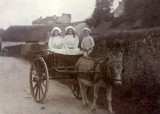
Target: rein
column 105, row 65
column 95, row 60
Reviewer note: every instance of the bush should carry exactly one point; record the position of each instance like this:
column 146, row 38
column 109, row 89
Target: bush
column 141, row 61
column 141, row 53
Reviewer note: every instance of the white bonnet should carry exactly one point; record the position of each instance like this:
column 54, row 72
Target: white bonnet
column 86, row 29
column 69, row 27
column 56, row 28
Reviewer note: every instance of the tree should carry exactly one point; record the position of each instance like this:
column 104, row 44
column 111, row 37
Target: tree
column 146, row 10
column 133, row 10
column 90, row 22
column 102, row 12
column 151, row 13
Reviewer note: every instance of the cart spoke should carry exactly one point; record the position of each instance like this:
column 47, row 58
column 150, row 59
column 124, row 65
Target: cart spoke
column 43, row 76
column 34, row 67
column 42, row 89
column 35, row 86
column 78, row 92
column 34, row 73
column 39, row 92
column 36, row 91
column 43, row 84
column 75, row 87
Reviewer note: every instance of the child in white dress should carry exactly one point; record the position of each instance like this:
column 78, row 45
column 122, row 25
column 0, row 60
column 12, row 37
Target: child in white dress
column 56, row 42
column 87, row 43
column 71, row 41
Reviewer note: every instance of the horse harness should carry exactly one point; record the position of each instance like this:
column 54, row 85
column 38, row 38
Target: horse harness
column 90, row 76
column 102, row 73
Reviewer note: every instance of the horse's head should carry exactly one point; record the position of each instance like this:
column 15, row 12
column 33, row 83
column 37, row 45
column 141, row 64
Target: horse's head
column 113, row 69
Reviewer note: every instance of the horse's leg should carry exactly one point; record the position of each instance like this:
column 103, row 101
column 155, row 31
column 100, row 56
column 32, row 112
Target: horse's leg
column 109, row 99
column 96, row 90
column 86, row 98
column 82, row 91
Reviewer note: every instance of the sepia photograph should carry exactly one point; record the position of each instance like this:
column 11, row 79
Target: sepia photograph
column 79, row 56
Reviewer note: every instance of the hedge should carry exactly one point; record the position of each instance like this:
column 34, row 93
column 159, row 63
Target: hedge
column 141, row 50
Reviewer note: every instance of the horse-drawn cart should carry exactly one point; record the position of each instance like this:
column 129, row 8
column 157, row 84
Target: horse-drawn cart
column 46, row 67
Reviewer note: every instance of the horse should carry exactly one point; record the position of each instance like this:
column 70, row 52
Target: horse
column 108, row 74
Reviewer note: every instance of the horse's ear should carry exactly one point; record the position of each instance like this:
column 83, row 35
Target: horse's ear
column 107, row 59
column 110, row 55
column 120, row 57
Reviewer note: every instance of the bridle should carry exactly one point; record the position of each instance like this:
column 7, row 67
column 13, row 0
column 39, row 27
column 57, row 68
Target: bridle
column 104, row 73
column 102, row 66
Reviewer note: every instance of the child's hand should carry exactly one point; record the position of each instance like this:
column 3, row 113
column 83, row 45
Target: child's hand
column 83, row 49
column 87, row 48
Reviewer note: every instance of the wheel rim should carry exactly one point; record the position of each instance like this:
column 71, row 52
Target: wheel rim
column 75, row 89
column 39, row 80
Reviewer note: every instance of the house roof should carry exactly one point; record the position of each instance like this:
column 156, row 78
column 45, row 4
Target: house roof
column 119, row 10
column 30, row 33
column 69, row 15
column 79, row 27
column 1, row 32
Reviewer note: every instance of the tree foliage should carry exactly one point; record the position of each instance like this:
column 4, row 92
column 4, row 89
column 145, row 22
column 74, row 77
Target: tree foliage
column 102, row 12
column 146, row 10
column 133, row 9
column 151, row 13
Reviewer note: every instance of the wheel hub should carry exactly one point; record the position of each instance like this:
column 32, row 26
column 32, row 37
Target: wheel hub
column 36, row 79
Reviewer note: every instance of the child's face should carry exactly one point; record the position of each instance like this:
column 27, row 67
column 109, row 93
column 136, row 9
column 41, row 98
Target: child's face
column 86, row 32
column 70, row 31
column 56, row 33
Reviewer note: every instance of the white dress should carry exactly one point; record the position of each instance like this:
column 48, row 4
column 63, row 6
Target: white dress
column 56, row 44
column 87, row 44
column 71, row 45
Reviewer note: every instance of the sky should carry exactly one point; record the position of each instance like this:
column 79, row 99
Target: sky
column 23, row 12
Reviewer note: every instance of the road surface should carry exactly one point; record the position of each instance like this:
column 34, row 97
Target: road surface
column 15, row 96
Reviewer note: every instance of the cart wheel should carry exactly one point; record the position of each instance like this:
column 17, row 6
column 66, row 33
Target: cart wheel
column 75, row 89
column 39, row 80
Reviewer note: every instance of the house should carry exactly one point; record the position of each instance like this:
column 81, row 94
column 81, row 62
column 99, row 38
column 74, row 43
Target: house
column 50, row 20
column 119, row 10
column 65, row 18
column 1, row 32
column 79, row 26
column 27, row 35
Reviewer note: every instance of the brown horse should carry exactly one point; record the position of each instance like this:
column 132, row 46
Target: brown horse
column 109, row 69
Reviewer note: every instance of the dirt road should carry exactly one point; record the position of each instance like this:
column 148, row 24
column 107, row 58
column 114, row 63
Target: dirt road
column 15, row 96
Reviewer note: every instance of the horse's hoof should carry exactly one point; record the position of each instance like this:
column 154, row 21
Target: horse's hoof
column 88, row 104
column 111, row 112
column 93, row 110
column 85, row 106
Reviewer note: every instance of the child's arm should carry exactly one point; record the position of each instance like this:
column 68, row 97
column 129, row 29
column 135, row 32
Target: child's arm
column 77, row 42
column 82, row 45
column 92, row 42
column 50, row 43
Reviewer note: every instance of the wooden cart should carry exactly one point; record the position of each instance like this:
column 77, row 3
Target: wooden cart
column 46, row 67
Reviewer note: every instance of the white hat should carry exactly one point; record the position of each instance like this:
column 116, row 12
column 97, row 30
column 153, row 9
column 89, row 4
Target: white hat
column 56, row 28
column 69, row 27
column 86, row 29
